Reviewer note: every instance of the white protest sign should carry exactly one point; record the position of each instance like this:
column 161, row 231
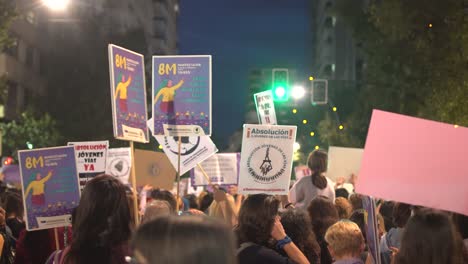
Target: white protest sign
column 119, row 163
column 265, row 108
column 343, row 162
column 266, row 159
column 222, row 169
column 90, row 159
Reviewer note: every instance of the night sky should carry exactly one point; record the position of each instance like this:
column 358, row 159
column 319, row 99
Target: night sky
column 242, row 35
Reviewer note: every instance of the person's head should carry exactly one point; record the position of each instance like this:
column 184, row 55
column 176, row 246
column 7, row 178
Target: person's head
column 169, row 83
column 184, row 239
column 317, row 162
column 356, row 201
column 205, row 201
column 14, row 205
column 359, row 218
column 192, row 200
column 216, row 210
column 461, row 222
column 297, row 225
column 342, row 192
column 102, row 222
column 38, row 176
column 401, row 214
column 344, row 240
column 323, row 214
column 344, row 208
column 381, row 225
column 123, row 78
column 386, row 210
column 155, row 209
column 256, row 218
column 430, row 237
column 165, row 195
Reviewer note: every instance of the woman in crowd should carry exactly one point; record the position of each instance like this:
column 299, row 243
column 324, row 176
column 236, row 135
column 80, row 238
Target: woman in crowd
column 184, row 239
column 343, row 207
column 392, row 239
column 345, row 242
column 14, row 213
column 309, row 187
column 260, row 230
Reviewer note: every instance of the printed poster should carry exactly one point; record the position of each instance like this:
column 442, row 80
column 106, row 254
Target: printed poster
column 222, row 169
column 372, row 231
column 50, row 186
column 266, row 159
column 182, row 95
column 119, row 163
column 128, row 94
column 265, row 108
column 90, row 159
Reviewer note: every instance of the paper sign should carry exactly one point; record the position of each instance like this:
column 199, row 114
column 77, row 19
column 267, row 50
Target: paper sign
column 415, row 161
column 153, row 168
column 266, row 159
column 90, row 159
column 343, row 162
column 10, row 174
column 50, row 186
column 182, row 95
column 128, row 94
column 222, row 169
column 265, row 108
column 372, row 231
column 302, row 171
column 119, row 163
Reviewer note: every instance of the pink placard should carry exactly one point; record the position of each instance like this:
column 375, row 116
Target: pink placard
column 416, row 161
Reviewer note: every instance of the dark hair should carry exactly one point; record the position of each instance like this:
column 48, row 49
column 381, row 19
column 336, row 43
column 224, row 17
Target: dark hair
column 461, row 222
column 386, row 210
column 192, row 199
column 102, row 224
column 359, row 217
column 343, row 207
column 297, row 225
column 356, row 201
column 256, row 218
column 317, row 162
column 160, row 194
column 401, row 214
column 206, row 201
column 185, row 239
column 14, row 205
column 341, row 192
column 323, row 214
column 430, row 237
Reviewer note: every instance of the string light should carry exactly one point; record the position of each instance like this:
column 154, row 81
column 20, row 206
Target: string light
column 430, row 25
column 317, row 147
column 312, row 133
column 311, row 78
column 294, row 110
column 334, row 109
column 455, row 126
column 304, row 121
column 341, row 127
column 160, row 147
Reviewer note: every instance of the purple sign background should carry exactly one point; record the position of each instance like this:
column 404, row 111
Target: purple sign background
column 182, row 92
column 60, row 190
column 372, row 234
column 128, row 92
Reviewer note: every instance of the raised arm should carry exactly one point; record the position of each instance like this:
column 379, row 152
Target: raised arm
column 46, row 178
column 156, row 98
column 28, row 189
column 178, row 85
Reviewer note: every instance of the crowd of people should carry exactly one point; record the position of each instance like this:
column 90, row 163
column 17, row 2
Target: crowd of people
column 318, row 222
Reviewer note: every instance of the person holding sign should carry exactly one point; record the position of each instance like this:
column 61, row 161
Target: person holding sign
column 168, row 93
column 37, row 186
column 121, row 90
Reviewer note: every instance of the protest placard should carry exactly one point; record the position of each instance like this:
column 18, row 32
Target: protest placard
column 182, row 95
column 50, row 186
column 153, row 168
column 415, row 161
column 343, row 162
column 265, row 108
column 128, row 94
column 90, row 159
column 302, row 171
column 222, row 169
column 372, row 231
column 266, row 159
column 118, row 163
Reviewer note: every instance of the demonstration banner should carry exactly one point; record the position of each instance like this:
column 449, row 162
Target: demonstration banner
column 222, row 169
column 372, row 231
column 128, row 94
column 50, row 186
column 90, row 159
column 153, row 168
column 343, row 162
column 119, row 163
column 265, row 108
column 182, row 95
column 266, row 159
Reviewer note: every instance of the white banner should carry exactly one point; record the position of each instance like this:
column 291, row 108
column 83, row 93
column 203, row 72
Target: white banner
column 266, row 159
column 119, row 163
column 222, row 169
column 265, row 108
column 90, row 159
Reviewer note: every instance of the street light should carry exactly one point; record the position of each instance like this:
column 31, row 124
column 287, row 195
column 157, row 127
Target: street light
column 56, row 5
column 298, row 92
column 296, row 146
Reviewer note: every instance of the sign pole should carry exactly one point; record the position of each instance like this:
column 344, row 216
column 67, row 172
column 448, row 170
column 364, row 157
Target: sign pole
column 57, row 244
column 178, row 172
column 133, row 178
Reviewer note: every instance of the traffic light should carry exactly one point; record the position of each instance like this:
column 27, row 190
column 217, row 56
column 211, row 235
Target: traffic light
column 280, row 89
column 319, row 92
column 7, row 161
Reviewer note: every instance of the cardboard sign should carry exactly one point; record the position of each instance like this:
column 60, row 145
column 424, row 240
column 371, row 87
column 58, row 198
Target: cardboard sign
column 343, row 162
column 119, row 163
column 415, row 161
column 182, row 95
column 266, row 159
column 90, row 159
column 222, row 169
column 50, row 186
column 265, row 108
column 372, row 231
column 153, row 168
column 128, row 94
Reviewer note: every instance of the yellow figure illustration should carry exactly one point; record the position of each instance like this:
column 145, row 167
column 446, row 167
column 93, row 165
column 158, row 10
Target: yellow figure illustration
column 121, row 91
column 168, row 93
column 38, row 187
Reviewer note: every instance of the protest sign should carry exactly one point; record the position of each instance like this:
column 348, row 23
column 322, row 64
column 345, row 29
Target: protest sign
column 10, row 174
column 265, row 108
column 182, row 95
column 266, row 159
column 302, row 171
column 90, row 159
column 404, row 157
column 119, row 163
column 50, row 186
column 153, row 168
column 372, row 231
column 222, row 169
column 128, row 94
column 343, row 162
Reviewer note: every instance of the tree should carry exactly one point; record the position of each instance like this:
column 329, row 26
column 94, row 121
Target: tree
column 7, row 15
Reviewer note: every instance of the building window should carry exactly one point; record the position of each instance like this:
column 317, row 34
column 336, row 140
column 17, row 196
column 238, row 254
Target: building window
column 12, row 47
column 12, row 101
column 29, row 56
column 329, row 22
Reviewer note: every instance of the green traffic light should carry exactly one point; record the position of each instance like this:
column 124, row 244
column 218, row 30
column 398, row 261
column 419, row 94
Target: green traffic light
column 280, row 94
column 280, row 91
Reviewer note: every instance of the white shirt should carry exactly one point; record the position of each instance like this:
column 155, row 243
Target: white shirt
column 304, row 191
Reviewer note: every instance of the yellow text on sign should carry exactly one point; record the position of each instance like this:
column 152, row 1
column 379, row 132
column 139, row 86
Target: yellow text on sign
column 32, row 162
column 120, row 61
column 165, row 69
